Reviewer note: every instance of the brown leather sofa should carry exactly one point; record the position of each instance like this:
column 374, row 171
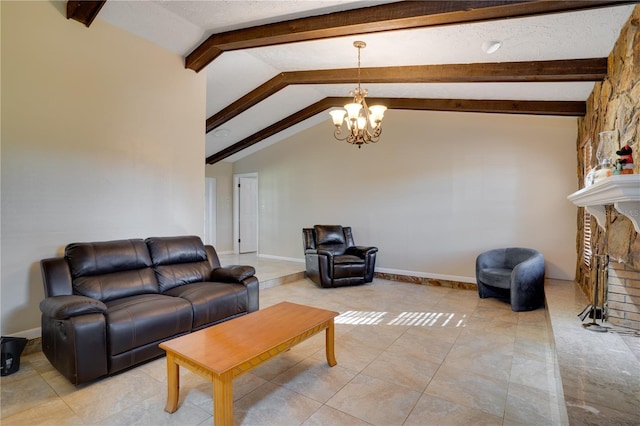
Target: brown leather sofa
column 332, row 258
column 109, row 304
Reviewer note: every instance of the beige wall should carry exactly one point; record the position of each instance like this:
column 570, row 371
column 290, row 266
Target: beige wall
column 438, row 189
column 223, row 172
column 102, row 138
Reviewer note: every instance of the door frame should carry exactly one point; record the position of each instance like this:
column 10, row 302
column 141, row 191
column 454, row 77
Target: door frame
column 210, row 211
column 236, row 210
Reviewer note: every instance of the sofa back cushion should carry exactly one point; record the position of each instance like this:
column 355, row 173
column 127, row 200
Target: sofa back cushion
column 330, row 238
column 111, row 269
column 178, row 260
column 516, row 255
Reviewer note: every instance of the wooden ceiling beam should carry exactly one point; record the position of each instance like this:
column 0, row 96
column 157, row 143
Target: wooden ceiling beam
column 84, row 11
column 543, row 71
column 387, row 17
column 257, row 95
column 493, row 106
column 558, row 108
column 281, row 125
column 493, row 72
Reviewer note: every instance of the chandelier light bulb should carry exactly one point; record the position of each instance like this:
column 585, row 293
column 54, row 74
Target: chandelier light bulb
column 353, row 110
column 338, row 116
column 377, row 112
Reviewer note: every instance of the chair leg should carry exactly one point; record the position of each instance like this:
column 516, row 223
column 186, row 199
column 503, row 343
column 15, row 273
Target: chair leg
column 485, row 291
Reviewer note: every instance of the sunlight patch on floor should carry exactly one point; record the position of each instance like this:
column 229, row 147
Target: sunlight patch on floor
column 415, row 319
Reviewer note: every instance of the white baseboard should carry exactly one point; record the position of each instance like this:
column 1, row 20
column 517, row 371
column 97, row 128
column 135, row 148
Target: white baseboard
column 287, row 259
column 390, row 271
column 427, row 275
column 224, row 252
column 32, row 333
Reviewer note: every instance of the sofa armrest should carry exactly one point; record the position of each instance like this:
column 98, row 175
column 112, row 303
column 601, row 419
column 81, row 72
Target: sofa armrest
column 77, row 346
column 65, row 307
column 361, row 251
column 233, row 273
column 527, row 284
column 529, row 272
column 56, row 277
column 320, row 252
column 327, row 253
column 253, row 293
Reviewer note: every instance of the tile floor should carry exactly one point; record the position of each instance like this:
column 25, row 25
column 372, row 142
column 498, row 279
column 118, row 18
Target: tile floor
column 407, row 355
column 600, row 371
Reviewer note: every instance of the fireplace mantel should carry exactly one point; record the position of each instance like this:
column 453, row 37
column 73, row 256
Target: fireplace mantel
column 623, row 191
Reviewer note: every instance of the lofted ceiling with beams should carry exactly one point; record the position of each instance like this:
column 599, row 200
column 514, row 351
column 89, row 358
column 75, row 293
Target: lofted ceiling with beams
column 275, row 68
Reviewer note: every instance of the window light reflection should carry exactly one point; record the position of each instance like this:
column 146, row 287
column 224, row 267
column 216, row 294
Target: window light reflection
column 360, row 317
column 415, row 319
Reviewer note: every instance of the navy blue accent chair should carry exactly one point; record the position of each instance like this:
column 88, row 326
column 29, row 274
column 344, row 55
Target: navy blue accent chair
column 515, row 274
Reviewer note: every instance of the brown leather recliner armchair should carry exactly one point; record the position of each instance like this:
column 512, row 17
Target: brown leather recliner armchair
column 332, row 258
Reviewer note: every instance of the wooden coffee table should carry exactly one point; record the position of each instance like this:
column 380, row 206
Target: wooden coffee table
column 223, row 351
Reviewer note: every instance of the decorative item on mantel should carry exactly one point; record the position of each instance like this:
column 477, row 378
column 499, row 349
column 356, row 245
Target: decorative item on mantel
column 361, row 128
column 624, row 165
column 604, row 154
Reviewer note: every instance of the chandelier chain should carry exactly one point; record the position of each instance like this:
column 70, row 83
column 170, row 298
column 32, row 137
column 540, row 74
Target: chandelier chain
column 359, row 48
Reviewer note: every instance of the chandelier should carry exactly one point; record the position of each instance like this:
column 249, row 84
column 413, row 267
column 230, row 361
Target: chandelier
column 363, row 123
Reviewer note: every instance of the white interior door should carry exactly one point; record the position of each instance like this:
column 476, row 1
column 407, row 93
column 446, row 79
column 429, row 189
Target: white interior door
column 248, row 215
column 210, row 205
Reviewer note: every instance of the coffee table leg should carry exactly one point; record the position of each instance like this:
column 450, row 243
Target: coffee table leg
column 173, row 384
column 223, row 399
column 330, row 337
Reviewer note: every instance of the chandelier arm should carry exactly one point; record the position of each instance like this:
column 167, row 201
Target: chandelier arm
column 376, row 136
column 371, row 130
column 366, row 115
column 338, row 131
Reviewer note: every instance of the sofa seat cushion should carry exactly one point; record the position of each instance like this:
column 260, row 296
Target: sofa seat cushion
column 496, row 277
column 139, row 320
column 347, row 258
column 212, row 302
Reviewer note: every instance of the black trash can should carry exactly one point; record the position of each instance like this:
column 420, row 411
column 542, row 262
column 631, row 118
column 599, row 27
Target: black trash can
column 11, row 348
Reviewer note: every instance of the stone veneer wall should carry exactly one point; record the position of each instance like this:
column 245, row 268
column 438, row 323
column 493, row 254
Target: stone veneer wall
column 614, row 104
column 624, row 296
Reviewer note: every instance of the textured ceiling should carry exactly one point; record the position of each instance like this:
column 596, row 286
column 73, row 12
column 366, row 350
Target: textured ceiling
column 180, row 26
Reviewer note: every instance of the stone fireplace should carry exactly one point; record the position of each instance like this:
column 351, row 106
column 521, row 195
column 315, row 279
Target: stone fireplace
column 606, row 227
column 614, row 205
column 623, row 283
column 623, row 298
